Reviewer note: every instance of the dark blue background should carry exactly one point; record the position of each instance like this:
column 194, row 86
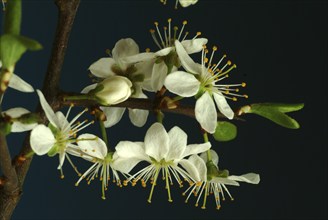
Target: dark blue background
column 280, row 48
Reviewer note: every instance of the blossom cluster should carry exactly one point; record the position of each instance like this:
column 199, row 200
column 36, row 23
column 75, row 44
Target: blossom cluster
column 129, row 73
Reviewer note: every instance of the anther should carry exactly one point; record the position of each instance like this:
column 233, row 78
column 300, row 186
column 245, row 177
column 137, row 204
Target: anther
column 184, row 22
column 156, row 23
column 234, row 99
column 245, row 96
column 215, row 48
column 243, row 84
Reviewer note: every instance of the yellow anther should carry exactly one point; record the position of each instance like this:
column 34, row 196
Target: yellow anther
column 76, row 184
column 215, row 48
column 156, row 23
column 196, row 205
column 170, row 200
column 203, row 207
column 86, row 109
column 199, row 33
column 234, row 66
column 165, row 28
column 237, row 90
column 243, row 84
column 246, row 96
column 62, row 176
column 229, row 62
column 184, row 22
column 218, row 207
column 204, row 46
column 234, row 99
column 169, row 20
column 175, row 28
column 227, row 92
column 205, row 60
column 206, row 51
column 152, row 31
column 71, row 105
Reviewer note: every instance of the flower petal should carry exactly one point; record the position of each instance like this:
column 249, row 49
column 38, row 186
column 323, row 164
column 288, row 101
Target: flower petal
column 92, row 145
column 18, row 126
column 61, row 159
column 139, row 57
column 182, row 83
column 159, row 74
column 63, row 123
column 225, row 181
column 205, row 113
column 186, row 61
column 42, row 139
column 125, row 165
column 113, row 115
column 102, row 68
column 194, row 46
column 48, row 110
column 223, row 105
column 195, row 167
column 164, row 52
column 252, row 178
column 138, row 117
column 177, row 144
column 214, row 155
column 129, row 149
column 196, row 149
column 186, row 3
column 19, row 84
column 157, row 142
column 124, row 48
column 89, row 88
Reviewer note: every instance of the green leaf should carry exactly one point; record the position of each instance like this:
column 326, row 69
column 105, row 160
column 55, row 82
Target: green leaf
column 281, row 107
column 276, row 113
column 225, row 131
column 13, row 46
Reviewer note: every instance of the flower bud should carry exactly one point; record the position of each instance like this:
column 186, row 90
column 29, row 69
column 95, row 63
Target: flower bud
column 113, row 90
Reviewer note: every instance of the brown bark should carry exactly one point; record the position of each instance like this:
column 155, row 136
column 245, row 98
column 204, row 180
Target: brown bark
column 11, row 191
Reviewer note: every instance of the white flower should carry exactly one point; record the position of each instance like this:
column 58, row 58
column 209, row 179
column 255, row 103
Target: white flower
column 183, row 3
column 163, row 151
column 16, row 82
column 202, row 80
column 94, row 149
column 208, row 179
column 18, row 126
column 59, row 136
column 110, row 67
column 156, row 66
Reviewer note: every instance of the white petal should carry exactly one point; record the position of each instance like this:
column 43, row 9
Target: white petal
column 186, row 3
column 61, row 160
column 124, row 48
column 89, row 88
column 225, row 181
column 125, row 165
column 19, row 84
column 158, row 76
column 48, row 110
column 129, row 149
column 194, row 46
column 63, row 123
column 164, row 52
column 223, row 105
column 196, row 149
column 102, row 68
column 41, row 139
column 157, row 142
column 214, row 155
column 252, row 178
column 113, row 115
column 177, row 144
column 186, row 61
column 205, row 113
column 138, row 117
column 196, row 167
column 95, row 147
column 139, row 57
column 182, row 83
column 18, row 126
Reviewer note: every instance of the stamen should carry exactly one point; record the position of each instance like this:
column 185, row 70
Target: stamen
column 153, row 185
column 152, row 32
column 197, row 35
column 183, row 25
column 166, row 39
column 159, row 33
column 175, row 32
column 169, row 22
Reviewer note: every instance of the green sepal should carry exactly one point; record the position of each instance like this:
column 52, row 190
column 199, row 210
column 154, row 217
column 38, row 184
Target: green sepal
column 12, row 47
column 223, row 173
column 276, row 113
column 53, row 151
column 225, row 131
column 53, row 129
column 98, row 88
column 29, row 118
column 5, row 128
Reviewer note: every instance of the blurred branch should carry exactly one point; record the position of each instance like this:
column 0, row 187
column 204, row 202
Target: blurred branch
column 66, row 13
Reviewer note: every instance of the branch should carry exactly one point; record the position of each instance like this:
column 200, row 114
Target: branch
column 67, row 11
